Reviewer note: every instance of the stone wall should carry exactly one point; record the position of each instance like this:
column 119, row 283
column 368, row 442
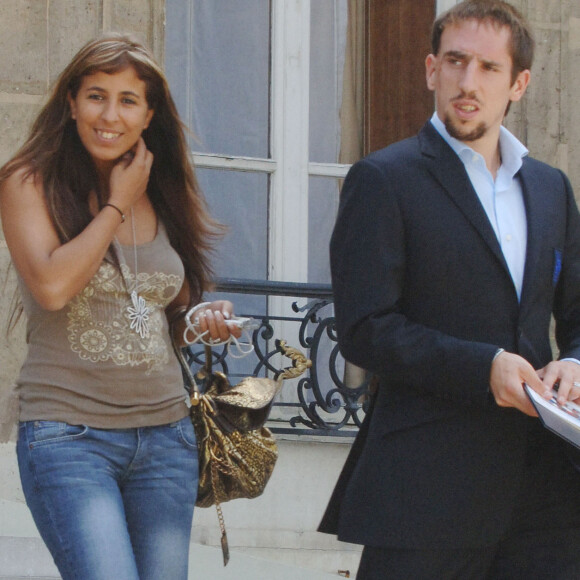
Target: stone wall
column 548, row 120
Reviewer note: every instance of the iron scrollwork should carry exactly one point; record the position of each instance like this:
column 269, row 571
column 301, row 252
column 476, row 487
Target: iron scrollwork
column 319, row 403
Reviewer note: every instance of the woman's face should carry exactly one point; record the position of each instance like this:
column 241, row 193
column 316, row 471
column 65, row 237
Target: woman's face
column 111, row 112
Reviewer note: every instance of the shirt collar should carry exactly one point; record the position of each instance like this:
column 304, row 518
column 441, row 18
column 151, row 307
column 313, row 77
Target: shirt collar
column 512, row 150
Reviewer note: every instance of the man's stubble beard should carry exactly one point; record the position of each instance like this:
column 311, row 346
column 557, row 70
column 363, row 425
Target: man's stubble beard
column 465, row 136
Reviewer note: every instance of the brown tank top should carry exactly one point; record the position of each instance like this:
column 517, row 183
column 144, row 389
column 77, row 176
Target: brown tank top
column 85, row 365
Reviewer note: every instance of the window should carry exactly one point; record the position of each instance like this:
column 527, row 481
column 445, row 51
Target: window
column 260, row 84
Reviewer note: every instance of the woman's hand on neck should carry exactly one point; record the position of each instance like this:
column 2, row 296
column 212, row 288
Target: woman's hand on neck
column 129, row 176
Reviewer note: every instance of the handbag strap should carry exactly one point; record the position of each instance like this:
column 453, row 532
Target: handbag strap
column 190, row 383
column 299, row 361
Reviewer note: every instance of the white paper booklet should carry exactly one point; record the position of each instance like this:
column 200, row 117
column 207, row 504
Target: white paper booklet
column 564, row 420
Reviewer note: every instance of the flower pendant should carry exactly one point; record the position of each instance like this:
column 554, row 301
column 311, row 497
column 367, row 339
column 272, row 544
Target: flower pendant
column 139, row 315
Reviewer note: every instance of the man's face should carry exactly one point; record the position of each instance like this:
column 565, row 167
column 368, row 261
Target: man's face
column 472, row 80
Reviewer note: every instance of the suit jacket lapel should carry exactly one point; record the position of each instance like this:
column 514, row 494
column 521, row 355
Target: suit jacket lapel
column 449, row 171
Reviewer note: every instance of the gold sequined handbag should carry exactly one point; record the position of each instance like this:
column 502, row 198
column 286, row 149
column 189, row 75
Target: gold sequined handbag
column 237, row 453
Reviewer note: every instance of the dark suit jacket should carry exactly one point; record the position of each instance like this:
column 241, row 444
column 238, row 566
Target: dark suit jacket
column 423, row 299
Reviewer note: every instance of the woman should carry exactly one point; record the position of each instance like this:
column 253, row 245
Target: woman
column 110, row 237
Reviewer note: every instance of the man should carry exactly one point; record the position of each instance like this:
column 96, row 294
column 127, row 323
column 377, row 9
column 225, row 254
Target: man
column 450, row 253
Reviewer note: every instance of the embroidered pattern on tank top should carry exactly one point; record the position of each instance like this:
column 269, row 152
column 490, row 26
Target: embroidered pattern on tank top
column 99, row 325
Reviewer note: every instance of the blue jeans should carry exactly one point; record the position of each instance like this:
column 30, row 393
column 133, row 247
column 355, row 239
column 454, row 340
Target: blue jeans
column 112, row 503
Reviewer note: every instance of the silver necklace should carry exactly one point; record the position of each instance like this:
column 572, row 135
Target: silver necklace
column 138, row 312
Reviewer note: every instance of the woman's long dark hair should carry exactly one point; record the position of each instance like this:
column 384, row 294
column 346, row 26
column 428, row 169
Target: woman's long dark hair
column 55, row 155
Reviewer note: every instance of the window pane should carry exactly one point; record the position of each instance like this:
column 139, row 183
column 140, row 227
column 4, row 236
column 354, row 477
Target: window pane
column 217, row 62
column 322, row 209
column 327, row 50
column 239, row 200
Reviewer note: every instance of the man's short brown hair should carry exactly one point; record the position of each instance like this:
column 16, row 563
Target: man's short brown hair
column 499, row 14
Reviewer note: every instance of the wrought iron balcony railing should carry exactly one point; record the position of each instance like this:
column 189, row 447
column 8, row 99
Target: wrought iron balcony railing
column 322, row 402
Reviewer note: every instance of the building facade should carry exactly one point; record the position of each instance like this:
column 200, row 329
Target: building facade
column 278, row 96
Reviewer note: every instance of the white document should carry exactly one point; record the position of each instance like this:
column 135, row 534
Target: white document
column 564, row 420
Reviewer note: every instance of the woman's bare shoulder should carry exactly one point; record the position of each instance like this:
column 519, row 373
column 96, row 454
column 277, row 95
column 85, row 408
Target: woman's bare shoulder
column 22, row 181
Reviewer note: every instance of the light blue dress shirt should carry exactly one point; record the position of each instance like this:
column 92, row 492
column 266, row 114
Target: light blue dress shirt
column 501, row 199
